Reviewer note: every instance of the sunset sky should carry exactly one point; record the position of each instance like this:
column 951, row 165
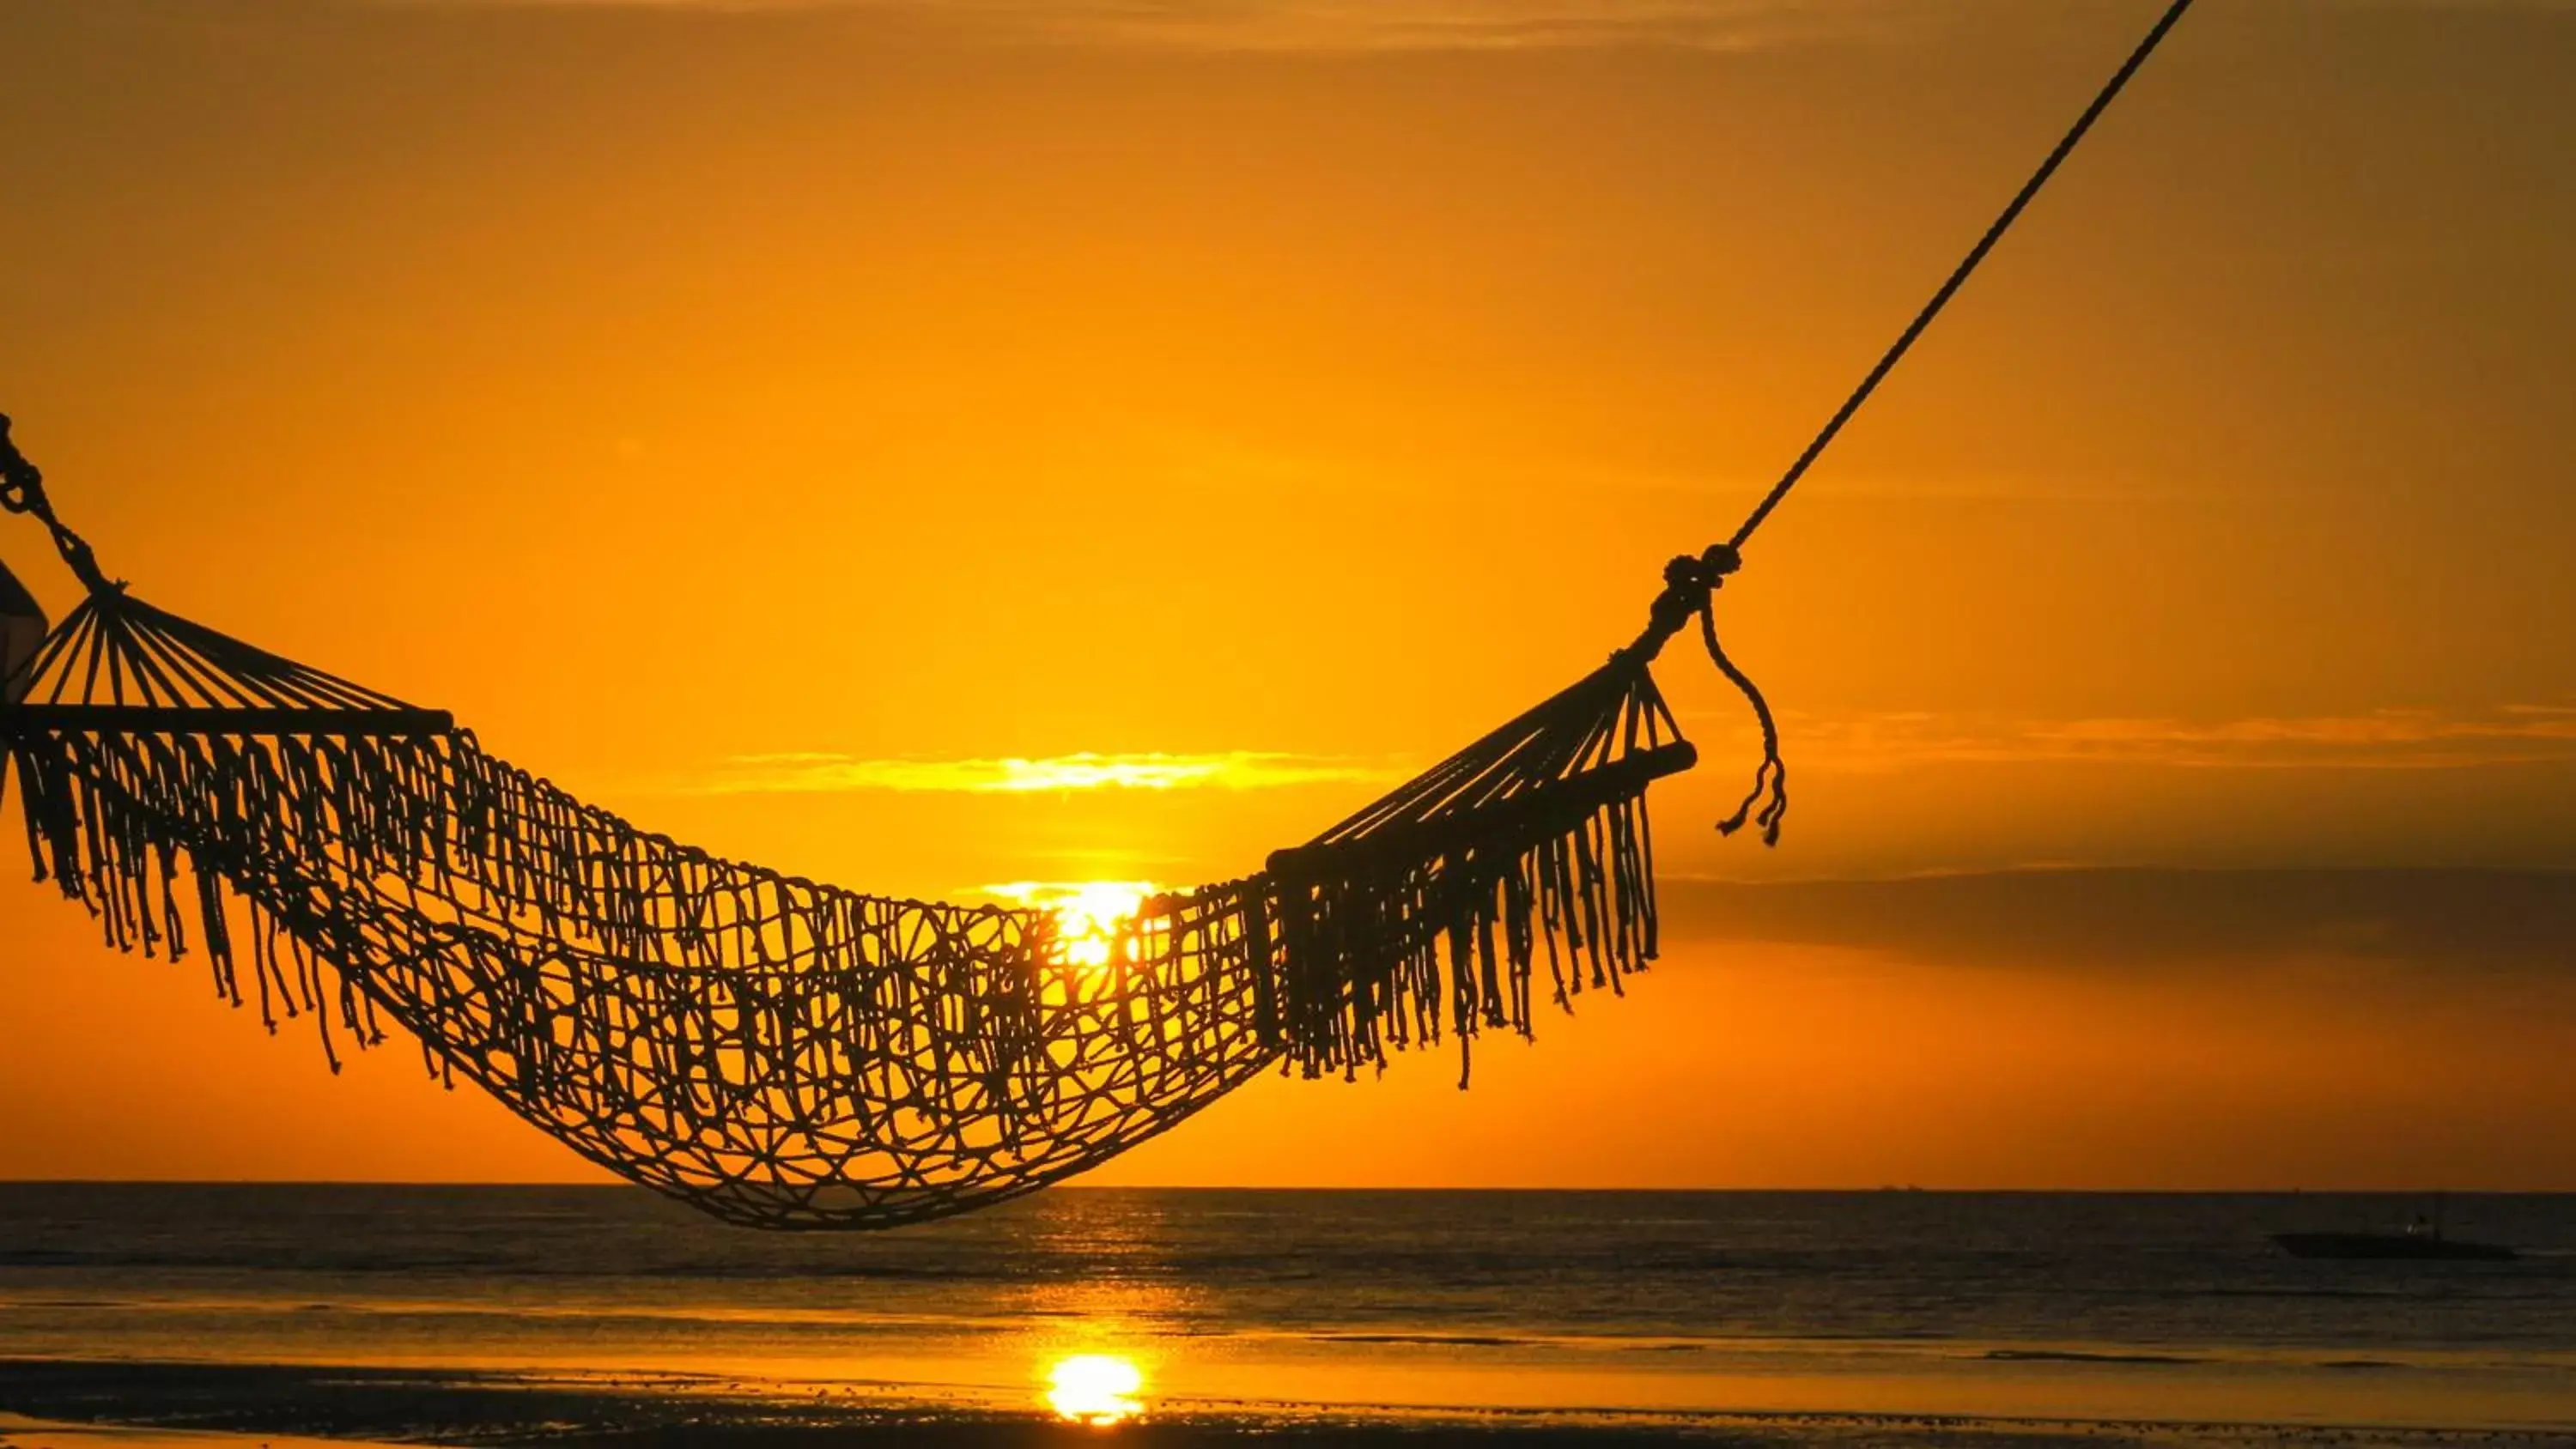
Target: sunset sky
column 934, row 447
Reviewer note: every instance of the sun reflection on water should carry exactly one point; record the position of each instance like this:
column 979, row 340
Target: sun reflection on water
column 1098, row 1389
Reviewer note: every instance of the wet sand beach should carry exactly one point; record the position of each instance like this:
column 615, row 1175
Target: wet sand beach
column 193, row 1406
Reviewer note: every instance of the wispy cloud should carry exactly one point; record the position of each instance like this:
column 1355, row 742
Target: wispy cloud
column 1397, row 26
column 790, row 774
column 2390, row 739
column 1355, row 26
column 1419, row 25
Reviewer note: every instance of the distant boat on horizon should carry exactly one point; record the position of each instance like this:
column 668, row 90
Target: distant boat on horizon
column 2421, row 1241
column 2414, row 1246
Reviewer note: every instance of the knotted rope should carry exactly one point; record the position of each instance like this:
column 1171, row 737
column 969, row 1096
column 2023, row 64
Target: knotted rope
column 22, row 490
column 1691, row 582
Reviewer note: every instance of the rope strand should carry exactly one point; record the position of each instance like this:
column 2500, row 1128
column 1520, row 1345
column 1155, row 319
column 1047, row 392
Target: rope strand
column 1959, row 278
column 1691, row 583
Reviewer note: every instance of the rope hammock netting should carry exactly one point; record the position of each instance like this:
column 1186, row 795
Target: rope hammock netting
column 786, row 1054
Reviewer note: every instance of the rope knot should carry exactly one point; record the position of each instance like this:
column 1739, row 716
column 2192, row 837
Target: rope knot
column 1702, row 573
column 22, row 487
column 22, row 490
column 1688, row 582
column 1691, row 583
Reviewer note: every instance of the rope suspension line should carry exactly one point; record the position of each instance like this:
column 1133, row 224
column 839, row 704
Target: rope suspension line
column 1959, row 277
column 1691, row 582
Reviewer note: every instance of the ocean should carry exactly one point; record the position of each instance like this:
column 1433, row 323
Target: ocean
column 506, row 1314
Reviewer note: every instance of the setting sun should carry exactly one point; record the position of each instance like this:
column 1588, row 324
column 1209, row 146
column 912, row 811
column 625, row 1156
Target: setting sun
column 1099, row 1389
column 1088, row 914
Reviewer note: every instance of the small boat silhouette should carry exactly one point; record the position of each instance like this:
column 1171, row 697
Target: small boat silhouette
column 2422, row 1241
column 2418, row 1246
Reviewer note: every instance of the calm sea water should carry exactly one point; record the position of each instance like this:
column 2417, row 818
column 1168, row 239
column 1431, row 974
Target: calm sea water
column 2164, row 1307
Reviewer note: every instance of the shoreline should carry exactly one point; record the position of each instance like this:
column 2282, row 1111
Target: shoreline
column 145, row 1404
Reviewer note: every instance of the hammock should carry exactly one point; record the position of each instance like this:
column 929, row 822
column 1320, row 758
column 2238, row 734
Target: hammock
column 786, row 1054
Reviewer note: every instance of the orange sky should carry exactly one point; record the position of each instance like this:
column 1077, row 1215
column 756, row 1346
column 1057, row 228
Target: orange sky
column 768, row 421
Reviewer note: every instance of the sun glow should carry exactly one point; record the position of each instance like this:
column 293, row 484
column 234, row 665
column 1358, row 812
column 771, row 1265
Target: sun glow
column 1099, row 1389
column 823, row 773
column 1089, row 915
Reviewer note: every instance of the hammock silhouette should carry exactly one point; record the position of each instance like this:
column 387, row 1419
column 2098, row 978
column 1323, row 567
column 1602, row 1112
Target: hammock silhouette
column 787, row 1054
column 775, row 1051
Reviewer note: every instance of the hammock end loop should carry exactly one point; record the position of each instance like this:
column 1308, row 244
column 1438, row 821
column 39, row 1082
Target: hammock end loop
column 1689, row 581
column 18, row 477
column 22, row 490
